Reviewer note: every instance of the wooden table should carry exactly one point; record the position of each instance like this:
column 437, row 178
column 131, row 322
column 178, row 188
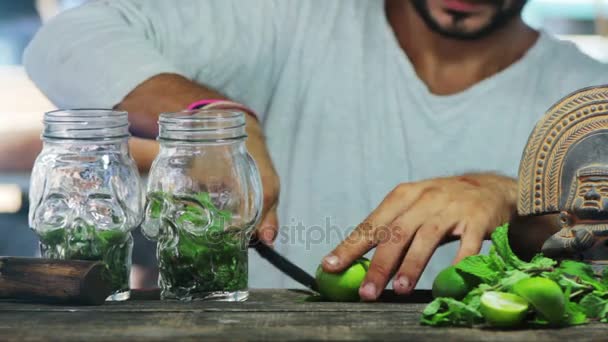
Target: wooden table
column 267, row 315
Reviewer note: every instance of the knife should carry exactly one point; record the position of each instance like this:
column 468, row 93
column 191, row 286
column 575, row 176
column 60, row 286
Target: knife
column 283, row 264
column 296, row 273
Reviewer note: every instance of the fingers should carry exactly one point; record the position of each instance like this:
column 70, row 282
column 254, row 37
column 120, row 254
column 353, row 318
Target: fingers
column 363, row 238
column 419, row 217
column 269, row 204
column 470, row 242
column 385, row 261
column 426, row 240
column 268, row 229
column 392, row 247
column 359, row 242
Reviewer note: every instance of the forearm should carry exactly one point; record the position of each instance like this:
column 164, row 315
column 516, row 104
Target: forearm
column 159, row 94
column 173, row 93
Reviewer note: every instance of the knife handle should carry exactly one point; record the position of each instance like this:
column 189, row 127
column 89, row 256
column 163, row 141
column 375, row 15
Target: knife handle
column 60, row 281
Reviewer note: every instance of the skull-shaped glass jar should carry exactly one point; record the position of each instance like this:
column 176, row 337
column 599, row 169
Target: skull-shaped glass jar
column 203, row 201
column 85, row 192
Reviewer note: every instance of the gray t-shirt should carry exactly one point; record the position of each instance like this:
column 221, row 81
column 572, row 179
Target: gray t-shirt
column 346, row 116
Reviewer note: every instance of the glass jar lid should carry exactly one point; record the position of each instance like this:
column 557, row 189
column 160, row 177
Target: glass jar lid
column 205, row 125
column 85, row 124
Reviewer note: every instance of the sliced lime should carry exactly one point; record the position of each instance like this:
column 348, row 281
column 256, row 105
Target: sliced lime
column 502, row 309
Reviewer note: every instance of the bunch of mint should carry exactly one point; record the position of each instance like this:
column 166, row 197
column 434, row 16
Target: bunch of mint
column 198, row 252
column 585, row 292
column 85, row 242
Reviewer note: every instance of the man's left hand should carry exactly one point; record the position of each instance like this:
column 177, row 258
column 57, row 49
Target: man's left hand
column 415, row 218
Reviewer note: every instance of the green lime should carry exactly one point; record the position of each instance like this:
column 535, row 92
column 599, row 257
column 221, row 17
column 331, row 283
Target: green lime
column 344, row 286
column 502, row 309
column 453, row 283
column 545, row 296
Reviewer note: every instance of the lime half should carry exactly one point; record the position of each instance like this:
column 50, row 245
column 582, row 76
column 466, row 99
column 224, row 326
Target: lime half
column 502, row 309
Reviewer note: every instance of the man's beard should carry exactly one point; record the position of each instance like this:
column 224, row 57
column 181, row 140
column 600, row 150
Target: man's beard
column 498, row 21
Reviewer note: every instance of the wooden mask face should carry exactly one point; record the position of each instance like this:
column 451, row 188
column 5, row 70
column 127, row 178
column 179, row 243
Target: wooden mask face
column 589, row 199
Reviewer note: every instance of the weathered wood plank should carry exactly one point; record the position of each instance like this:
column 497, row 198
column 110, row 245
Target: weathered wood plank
column 260, row 300
column 248, row 326
column 269, row 315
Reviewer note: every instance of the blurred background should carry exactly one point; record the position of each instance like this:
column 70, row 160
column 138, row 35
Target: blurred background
column 21, row 105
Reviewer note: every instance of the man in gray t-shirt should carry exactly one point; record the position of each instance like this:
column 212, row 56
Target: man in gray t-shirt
column 428, row 101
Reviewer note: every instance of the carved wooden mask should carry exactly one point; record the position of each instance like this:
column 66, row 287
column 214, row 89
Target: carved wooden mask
column 571, row 138
column 564, row 169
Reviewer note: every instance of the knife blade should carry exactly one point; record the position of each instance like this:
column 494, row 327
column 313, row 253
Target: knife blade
column 299, row 275
column 283, row 264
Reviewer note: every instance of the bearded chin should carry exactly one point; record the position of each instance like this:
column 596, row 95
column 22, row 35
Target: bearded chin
column 503, row 16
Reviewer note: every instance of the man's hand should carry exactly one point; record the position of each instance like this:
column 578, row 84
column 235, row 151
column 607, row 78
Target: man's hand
column 415, row 218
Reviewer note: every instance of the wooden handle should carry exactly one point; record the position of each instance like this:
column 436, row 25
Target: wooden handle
column 61, row 281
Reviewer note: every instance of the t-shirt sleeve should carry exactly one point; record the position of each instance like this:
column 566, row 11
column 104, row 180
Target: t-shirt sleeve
column 94, row 55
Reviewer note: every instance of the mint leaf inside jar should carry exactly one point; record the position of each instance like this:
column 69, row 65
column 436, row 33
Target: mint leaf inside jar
column 85, row 242
column 199, row 253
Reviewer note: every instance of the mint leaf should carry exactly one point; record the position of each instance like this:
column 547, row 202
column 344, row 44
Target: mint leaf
column 448, row 311
column 473, row 298
column 53, row 237
column 540, row 261
column 205, row 200
column 156, row 204
column 567, row 283
column 500, row 239
column 510, row 278
column 479, row 266
column 583, row 272
column 575, row 314
column 604, row 315
column 577, row 269
column 593, row 305
column 496, row 260
column 604, row 279
column 432, row 308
